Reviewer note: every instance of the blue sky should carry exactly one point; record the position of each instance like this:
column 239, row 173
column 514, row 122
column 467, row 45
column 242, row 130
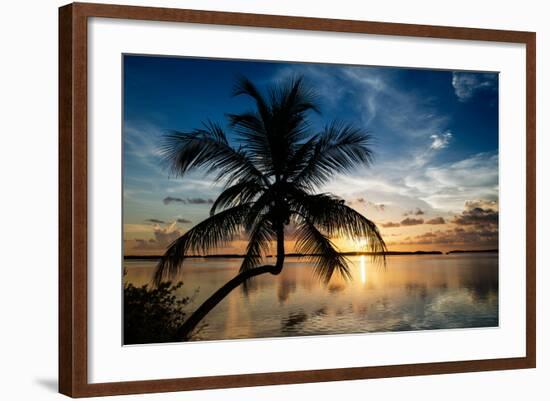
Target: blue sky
column 436, row 145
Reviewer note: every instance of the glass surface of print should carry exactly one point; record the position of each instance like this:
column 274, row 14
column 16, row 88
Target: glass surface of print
column 269, row 199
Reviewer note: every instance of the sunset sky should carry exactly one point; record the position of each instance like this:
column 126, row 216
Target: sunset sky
column 434, row 183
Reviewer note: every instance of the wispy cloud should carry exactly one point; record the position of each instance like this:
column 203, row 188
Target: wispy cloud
column 375, row 96
column 467, row 84
column 141, row 144
column 438, row 189
column 446, row 185
column 384, row 102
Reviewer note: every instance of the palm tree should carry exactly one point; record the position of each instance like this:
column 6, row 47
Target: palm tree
column 269, row 183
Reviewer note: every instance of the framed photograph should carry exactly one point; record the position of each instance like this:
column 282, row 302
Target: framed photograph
column 250, row 200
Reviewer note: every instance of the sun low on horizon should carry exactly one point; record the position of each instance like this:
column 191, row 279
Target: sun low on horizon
column 433, row 185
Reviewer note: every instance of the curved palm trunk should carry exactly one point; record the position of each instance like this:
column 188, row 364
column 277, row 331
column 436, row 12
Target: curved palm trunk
column 191, row 323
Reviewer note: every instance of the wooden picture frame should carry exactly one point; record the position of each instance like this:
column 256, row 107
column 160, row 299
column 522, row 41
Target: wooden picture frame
column 73, row 203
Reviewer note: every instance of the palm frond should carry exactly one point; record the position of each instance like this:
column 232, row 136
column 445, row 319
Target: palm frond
column 294, row 97
column 336, row 219
column 273, row 132
column 253, row 131
column 291, row 103
column 339, row 149
column 209, row 148
column 245, row 87
column 239, row 193
column 258, row 244
column 260, row 207
column 300, row 158
column 309, row 240
column 211, row 233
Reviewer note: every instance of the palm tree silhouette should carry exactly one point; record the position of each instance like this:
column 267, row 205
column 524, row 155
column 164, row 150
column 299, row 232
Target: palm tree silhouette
column 269, row 183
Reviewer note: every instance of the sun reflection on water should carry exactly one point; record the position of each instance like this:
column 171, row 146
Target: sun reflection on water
column 363, row 269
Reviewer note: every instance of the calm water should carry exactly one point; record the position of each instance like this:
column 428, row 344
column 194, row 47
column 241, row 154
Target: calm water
column 411, row 293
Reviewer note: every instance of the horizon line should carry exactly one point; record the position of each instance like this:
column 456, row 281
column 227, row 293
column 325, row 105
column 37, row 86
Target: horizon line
column 353, row 253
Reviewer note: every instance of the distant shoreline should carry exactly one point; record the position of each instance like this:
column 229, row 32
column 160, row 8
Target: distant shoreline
column 389, row 253
column 474, row 251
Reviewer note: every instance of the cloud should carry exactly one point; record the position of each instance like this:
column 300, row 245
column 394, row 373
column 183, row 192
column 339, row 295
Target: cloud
column 170, row 199
column 481, row 203
column 141, row 144
column 475, row 227
column 457, row 236
column 481, row 213
column 446, row 186
column 440, row 141
column 417, row 212
column 423, row 156
column 410, row 170
column 378, row 206
column 183, row 221
column 163, row 236
column 477, row 216
column 156, row 221
column 409, row 221
column 390, row 224
column 436, row 220
column 199, row 201
column 381, row 99
column 437, row 189
column 189, row 201
column 376, row 95
column 467, row 84
column 428, row 234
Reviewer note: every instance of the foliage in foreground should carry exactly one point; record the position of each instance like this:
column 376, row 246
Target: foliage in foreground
column 152, row 315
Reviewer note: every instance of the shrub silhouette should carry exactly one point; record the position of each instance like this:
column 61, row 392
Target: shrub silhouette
column 152, row 315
